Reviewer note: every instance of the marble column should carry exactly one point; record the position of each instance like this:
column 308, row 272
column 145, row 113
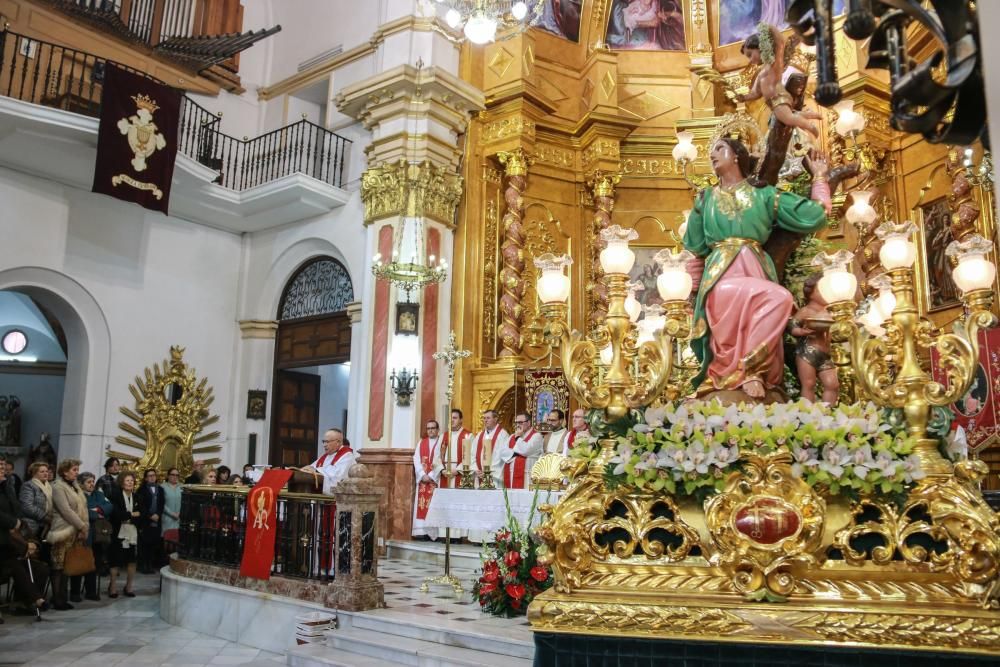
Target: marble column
column 257, row 340
column 356, row 587
column 355, row 381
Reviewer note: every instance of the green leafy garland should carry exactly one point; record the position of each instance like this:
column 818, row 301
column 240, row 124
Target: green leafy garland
column 766, row 38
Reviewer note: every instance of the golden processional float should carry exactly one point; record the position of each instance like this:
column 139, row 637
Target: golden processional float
column 857, row 525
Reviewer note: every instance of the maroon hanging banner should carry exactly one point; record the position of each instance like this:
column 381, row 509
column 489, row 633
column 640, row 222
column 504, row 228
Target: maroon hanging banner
column 262, row 524
column 137, row 139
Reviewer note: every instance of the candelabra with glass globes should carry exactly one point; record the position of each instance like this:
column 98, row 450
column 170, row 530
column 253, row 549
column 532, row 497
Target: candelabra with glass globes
column 887, row 366
column 480, row 20
column 622, row 364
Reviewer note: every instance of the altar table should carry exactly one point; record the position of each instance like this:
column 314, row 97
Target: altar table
column 474, row 509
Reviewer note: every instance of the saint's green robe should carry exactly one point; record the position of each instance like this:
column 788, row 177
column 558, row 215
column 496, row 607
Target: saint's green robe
column 748, row 213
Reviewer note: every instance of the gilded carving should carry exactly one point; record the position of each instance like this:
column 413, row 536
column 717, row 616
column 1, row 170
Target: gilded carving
column 414, row 190
column 651, row 167
column 553, row 155
column 171, row 411
column 600, row 149
column 516, row 126
column 766, row 525
column 930, row 630
column 637, row 619
column 489, row 271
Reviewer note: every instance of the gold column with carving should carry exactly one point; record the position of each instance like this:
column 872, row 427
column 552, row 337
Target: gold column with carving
column 515, row 163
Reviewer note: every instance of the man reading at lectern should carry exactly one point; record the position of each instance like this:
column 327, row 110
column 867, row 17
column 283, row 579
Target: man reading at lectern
column 427, row 466
column 512, row 463
column 336, row 460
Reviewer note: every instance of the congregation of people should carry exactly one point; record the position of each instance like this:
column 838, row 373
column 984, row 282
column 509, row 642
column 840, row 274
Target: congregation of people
column 57, row 521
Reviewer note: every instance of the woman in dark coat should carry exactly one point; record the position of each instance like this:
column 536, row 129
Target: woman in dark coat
column 151, row 500
column 124, row 533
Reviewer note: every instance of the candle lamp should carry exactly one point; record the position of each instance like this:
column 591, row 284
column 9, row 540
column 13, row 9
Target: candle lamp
column 890, row 369
column 486, row 482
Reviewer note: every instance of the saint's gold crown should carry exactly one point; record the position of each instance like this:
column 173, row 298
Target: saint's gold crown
column 145, row 102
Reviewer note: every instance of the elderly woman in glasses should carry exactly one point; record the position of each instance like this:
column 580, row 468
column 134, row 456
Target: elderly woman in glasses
column 98, row 510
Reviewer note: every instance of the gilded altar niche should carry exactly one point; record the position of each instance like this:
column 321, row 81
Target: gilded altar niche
column 586, row 127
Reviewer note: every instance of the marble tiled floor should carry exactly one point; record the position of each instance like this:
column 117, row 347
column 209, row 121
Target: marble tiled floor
column 402, row 579
column 130, row 632
column 126, row 631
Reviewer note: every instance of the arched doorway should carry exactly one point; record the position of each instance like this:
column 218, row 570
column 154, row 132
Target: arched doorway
column 311, row 360
column 87, row 339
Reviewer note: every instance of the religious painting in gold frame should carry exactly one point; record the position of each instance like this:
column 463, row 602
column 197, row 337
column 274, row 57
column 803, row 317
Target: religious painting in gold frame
column 544, row 389
column 738, row 19
column 936, row 288
column 645, row 271
column 645, row 25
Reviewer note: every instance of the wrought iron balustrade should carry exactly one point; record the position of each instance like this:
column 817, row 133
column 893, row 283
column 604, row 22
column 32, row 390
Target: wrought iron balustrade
column 55, row 76
column 213, row 530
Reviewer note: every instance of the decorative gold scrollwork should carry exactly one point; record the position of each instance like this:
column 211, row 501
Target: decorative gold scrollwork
column 767, row 527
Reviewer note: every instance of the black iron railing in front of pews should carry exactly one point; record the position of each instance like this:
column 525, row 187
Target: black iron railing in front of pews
column 56, row 76
column 213, row 529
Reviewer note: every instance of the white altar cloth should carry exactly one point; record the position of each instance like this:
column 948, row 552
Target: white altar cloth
column 473, row 509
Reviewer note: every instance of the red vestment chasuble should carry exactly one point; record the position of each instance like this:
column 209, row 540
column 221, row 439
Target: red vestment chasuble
column 425, row 489
column 513, row 470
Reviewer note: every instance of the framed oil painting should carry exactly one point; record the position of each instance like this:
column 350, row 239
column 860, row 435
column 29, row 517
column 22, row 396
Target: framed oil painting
column 939, row 289
column 562, row 17
column 646, row 25
column 645, row 271
column 544, row 390
column 738, row 19
column 256, row 404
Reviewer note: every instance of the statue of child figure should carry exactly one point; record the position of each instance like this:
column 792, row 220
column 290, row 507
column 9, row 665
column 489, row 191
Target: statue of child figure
column 812, row 352
column 766, row 48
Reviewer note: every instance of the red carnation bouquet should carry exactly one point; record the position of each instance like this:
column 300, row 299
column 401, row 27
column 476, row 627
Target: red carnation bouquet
column 512, row 576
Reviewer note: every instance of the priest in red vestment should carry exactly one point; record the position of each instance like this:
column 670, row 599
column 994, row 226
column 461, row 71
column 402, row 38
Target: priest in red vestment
column 427, row 466
column 336, row 460
column 496, row 435
column 579, row 430
column 452, row 449
column 512, row 464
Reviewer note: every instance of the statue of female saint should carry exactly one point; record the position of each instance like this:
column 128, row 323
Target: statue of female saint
column 740, row 310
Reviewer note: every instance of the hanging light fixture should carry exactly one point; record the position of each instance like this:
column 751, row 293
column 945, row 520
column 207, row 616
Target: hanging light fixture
column 410, row 269
column 480, row 20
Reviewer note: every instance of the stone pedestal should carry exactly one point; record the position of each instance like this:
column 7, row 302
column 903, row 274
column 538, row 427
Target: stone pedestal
column 393, row 469
column 356, row 587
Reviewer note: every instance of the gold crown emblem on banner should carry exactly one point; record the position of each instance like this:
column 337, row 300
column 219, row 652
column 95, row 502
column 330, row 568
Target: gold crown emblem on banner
column 145, row 102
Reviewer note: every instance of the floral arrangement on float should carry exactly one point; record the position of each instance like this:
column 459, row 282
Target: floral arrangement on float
column 512, row 576
column 689, row 449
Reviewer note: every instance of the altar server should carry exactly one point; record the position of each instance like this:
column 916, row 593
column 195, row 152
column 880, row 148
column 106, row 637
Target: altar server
column 336, row 460
column 555, row 439
column 427, row 466
column 512, row 463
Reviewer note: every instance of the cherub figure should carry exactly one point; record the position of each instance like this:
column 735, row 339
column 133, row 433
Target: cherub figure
column 766, row 48
column 812, row 352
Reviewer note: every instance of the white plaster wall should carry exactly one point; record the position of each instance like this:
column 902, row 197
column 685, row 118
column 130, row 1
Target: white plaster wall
column 272, row 258
column 126, row 284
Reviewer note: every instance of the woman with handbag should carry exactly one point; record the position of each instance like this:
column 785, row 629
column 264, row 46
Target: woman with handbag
column 36, row 500
column 70, row 528
column 98, row 509
column 124, row 533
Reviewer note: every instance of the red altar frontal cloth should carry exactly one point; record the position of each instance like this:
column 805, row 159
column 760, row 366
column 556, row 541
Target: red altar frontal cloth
column 262, row 524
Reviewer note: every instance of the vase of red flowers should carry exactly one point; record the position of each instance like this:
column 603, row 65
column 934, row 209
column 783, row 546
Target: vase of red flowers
column 511, row 576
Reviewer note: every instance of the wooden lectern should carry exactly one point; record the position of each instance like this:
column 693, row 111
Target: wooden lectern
column 305, row 482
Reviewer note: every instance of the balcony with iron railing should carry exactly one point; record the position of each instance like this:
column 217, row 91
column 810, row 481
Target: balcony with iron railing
column 58, row 77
